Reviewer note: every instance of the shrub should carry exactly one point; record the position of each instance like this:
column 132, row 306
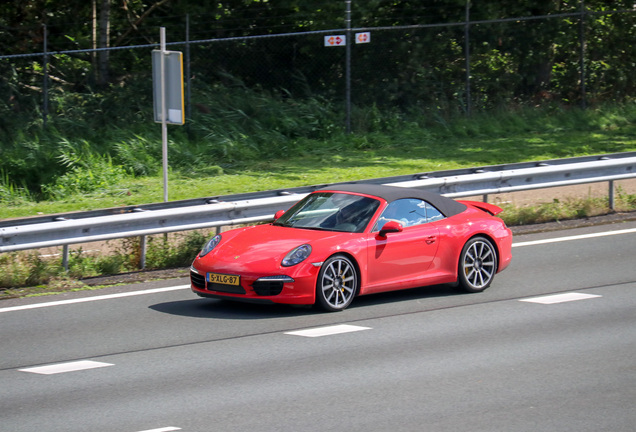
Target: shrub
column 87, row 172
column 179, row 251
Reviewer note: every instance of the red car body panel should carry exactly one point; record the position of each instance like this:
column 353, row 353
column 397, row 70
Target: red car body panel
column 487, row 207
column 399, row 258
column 420, row 255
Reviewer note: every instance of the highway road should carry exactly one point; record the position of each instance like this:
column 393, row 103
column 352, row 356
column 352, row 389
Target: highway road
column 550, row 346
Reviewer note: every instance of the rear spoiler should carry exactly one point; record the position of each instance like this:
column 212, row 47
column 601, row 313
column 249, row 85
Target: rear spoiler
column 487, row 207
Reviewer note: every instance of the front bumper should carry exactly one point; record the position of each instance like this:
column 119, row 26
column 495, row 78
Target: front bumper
column 285, row 289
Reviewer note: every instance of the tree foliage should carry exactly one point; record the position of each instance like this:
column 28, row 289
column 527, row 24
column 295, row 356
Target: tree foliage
column 407, row 61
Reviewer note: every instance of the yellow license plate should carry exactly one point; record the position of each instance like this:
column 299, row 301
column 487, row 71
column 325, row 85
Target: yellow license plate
column 224, row 279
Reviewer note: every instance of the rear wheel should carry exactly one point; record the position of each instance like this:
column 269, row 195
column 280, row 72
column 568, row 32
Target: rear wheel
column 337, row 283
column 477, row 265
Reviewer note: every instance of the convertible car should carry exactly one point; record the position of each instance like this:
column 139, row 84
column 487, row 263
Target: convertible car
column 336, row 244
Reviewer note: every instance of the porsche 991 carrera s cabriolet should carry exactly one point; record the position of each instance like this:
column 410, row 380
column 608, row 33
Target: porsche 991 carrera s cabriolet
column 357, row 239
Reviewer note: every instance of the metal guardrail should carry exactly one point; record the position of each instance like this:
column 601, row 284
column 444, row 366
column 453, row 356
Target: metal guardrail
column 108, row 224
column 303, row 190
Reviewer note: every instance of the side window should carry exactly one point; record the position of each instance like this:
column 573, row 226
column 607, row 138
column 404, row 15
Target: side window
column 408, row 212
column 432, row 214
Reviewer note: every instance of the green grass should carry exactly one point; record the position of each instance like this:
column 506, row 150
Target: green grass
column 248, row 140
column 409, row 149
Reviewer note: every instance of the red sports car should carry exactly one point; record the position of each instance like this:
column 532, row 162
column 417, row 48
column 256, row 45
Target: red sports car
column 356, row 239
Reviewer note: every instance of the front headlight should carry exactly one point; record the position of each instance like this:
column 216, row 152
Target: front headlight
column 297, row 255
column 214, row 241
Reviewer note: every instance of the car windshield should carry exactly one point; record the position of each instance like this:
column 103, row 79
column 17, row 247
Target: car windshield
column 331, row 212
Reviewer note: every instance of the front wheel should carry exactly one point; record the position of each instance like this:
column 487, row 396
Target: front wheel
column 477, row 265
column 337, row 283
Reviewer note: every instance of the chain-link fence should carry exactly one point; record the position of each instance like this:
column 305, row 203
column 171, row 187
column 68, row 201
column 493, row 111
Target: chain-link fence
column 576, row 57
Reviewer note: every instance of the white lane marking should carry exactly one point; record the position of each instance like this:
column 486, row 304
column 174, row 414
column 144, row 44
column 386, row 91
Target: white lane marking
column 91, row 299
column 328, row 331
column 577, row 237
column 66, row 367
column 560, row 298
column 164, row 429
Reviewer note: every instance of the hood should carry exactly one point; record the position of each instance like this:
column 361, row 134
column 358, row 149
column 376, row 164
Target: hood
column 264, row 244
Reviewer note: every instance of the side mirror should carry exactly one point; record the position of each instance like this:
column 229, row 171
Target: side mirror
column 390, row 227
column 278, row 214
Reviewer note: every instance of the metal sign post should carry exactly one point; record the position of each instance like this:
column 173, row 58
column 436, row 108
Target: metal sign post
column 167, row 78
column 164, row 114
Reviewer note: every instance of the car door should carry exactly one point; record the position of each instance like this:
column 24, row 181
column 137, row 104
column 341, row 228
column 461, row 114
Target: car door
column 400, row 259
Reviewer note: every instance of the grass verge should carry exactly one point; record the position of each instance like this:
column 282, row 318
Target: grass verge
column 415, row 146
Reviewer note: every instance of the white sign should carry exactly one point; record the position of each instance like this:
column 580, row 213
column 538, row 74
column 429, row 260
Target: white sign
column 363, row 37
column 335, row 40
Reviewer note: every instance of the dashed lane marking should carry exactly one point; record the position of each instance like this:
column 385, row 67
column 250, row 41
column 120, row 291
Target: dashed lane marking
column 164, row 429
column 66, row 367
column 328, row 331
column 560, row 298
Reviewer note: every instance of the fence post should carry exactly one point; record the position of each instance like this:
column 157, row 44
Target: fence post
column 467, row 53
column 582, row 53
column 45, row 82
column 348, row 64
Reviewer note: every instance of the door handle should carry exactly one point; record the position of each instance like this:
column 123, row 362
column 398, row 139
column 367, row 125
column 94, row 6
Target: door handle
column 431, row 239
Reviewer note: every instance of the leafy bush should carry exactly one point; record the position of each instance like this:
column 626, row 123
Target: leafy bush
column 112, row 264
column 11, row 194
column 87, row 172
column 40, row 269
column 557, row 210
column 179, row 251
column 140, row 155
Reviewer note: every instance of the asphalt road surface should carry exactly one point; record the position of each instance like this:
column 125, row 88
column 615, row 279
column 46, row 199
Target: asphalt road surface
column 550, row 346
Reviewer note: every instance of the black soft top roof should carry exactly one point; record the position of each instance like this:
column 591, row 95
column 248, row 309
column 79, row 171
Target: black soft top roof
column 448, row 206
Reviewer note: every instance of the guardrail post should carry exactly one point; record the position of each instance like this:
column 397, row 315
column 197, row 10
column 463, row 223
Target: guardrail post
column 142, row 256
column 65, row 253
column 611, row 195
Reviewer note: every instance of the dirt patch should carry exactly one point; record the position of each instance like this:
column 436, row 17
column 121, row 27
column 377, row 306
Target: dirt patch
column 574, row 223
column 541, row 196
